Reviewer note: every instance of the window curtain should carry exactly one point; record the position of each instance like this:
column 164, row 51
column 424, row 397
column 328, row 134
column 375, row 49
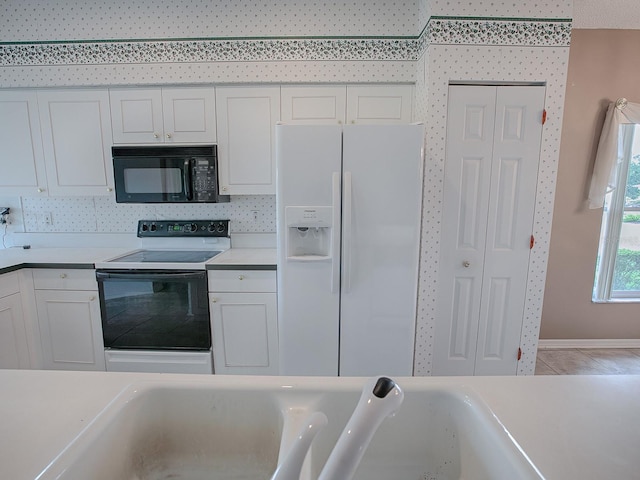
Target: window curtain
column 610, row 149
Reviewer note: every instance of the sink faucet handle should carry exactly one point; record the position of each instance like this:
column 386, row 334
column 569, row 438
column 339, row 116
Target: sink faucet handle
column 291, row 465
column 381, row 397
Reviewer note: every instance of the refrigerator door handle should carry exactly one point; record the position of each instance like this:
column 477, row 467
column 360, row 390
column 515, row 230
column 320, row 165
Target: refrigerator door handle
column 335, row 237
column 346, row 234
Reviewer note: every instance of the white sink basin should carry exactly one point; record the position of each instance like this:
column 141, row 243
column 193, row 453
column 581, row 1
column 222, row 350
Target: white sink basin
column 233, row 429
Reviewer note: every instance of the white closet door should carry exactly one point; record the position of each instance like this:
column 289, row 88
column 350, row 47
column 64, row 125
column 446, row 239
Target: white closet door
column 470, row 122
column 516, row 151
column 493, row 148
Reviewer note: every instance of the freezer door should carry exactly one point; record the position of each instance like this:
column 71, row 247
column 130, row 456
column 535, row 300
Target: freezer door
column 308, row 163
column 382, row 203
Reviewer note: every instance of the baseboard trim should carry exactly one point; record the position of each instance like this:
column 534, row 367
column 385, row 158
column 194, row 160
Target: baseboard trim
column 589, row 343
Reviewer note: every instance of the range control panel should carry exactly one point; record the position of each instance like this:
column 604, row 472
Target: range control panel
column 183, row 228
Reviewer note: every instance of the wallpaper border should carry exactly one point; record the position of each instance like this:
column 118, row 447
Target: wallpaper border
column 438, row 31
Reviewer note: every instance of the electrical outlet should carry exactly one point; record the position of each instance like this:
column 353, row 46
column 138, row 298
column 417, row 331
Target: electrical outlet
column 46, row 218
column 254, row 215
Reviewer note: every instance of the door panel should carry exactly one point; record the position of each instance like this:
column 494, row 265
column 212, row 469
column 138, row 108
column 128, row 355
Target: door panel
column 510, row 224
column 470, row 132
column 379, row 270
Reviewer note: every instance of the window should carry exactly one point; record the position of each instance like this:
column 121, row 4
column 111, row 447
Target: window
column 618, row 265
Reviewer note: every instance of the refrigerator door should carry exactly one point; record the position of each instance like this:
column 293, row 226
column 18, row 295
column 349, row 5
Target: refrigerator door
column 382, row 203
column 308, row 219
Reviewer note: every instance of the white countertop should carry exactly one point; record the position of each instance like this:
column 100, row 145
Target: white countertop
column 12, row 257
column 571, row 427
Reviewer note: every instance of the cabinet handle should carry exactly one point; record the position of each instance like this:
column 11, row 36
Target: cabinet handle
column 63, row 275
column 168, row 135
column 240, row 277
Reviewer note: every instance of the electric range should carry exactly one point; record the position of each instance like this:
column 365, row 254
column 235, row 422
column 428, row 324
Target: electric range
column 154, row 301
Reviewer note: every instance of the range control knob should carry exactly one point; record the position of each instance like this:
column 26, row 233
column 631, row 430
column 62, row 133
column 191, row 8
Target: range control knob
column 212, row 227
column 153, row 227
column 190, row 227
column 220, row 228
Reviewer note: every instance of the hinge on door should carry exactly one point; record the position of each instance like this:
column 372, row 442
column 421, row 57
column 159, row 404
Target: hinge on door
column 544, row 116
column 519, row 353
column 532, row 242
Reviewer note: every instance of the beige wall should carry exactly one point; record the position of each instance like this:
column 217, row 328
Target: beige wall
column 602, row 67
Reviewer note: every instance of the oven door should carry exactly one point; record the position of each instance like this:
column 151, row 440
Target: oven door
column 154, row 309
column 152, row 179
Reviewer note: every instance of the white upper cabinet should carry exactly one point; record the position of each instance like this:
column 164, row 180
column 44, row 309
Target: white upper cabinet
column 163, row 115
column 76, row 138
column 246, row 118
column 24, row 171
column 322, row 105
column 338, row 104
column 379, row 104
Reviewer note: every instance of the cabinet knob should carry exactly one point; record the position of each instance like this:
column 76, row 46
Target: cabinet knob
column 109, row 189
column 155, row 135
column 224, row 189
column 214, row 300
column 168, row 135
column 240, row 277
column 466, row 264
column 63, row 275
column 40, row 189
column 353, row 121
column 92, row 298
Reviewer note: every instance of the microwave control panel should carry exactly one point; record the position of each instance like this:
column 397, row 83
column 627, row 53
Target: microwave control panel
column 205, row 183
column 183, row 228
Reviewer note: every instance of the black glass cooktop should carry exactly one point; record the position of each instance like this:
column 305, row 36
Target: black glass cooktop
column 168, row 256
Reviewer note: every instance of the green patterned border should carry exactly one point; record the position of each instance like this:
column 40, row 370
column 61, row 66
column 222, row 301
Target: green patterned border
column 438, row 31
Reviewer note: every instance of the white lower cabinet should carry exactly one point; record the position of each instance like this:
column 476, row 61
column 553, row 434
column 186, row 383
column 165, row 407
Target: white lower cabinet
column 244, row 322
column 69, row 318
column 14, row 349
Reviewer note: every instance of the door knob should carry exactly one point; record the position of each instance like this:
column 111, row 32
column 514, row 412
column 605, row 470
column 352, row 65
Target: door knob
column 466, row 264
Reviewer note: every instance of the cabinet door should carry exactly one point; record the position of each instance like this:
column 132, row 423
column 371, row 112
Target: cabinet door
column 189, row 115
column 14, row 351
column 136, row 115
column 70, row 329
column 245, row 333
column 246, row 118
column 76, row 136
column 369, row 104
column 22, row 163
column 313, row 105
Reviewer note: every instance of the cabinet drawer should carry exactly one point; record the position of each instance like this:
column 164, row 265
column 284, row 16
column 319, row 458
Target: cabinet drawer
column 64, row 279
column 242, row 281
column 9, row 284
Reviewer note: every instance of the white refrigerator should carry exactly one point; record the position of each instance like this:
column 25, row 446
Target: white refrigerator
column 349, row 202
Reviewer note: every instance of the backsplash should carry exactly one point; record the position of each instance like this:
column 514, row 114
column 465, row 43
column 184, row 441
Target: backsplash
column 247, row 214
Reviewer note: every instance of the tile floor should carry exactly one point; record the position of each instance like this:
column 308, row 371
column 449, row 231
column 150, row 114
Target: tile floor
column 588, row 361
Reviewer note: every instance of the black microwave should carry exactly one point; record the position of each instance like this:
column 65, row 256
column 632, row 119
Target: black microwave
column 166, row 174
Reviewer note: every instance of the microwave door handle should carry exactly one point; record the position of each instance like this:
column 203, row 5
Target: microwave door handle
column 188, row 163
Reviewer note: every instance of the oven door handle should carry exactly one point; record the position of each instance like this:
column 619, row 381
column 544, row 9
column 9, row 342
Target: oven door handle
column 149, row 276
